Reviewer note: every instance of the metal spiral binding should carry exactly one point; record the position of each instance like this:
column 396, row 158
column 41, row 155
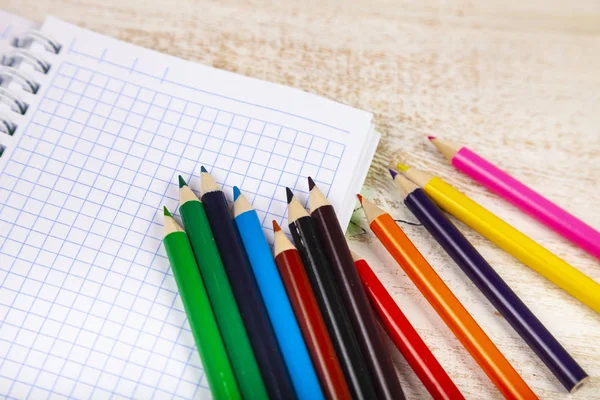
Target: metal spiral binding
column 10, row 73
column 13, row 101
column 6, row 125
column 37, row 36
column 15, row 57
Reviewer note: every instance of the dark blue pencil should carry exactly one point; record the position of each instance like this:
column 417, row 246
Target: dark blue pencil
column 245, row 291
column 533, row 332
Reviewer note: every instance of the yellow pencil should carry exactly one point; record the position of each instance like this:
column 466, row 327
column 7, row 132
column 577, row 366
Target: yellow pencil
column 508, row 238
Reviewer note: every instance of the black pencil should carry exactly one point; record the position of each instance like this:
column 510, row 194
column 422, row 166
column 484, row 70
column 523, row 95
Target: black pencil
column 355, row 299
column 245, row 291
column 329, row 300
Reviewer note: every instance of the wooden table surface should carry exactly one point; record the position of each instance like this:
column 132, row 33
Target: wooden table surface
column 518, row 81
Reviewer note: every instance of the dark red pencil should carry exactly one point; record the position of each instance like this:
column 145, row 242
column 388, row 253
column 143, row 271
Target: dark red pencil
column 405, row 337
column 357, row 304
column 309, row 317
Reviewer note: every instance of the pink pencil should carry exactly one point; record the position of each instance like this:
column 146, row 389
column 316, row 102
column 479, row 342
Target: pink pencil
column 520, row 195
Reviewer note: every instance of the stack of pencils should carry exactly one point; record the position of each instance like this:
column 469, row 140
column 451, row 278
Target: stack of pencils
column 426, row 195
column 295, row 323
column 303, row 321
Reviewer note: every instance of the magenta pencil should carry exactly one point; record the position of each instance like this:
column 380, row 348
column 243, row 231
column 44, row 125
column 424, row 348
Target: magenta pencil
column 521, row 196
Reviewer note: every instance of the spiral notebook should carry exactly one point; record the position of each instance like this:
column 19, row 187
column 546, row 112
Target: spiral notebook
column 94, row 132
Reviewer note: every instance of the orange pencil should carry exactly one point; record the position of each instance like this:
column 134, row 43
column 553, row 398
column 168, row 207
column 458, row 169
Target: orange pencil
column 454, row 314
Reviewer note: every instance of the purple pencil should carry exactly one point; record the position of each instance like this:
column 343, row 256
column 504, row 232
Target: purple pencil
column 502, row 297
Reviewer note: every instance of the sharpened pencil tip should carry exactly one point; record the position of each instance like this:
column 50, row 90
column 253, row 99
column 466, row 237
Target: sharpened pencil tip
column 359, row 198
column 311, row 183
column 276, row 226
column 356, row 257
column 393, row 173
column 236, row 192
column 202, row 169
column 430, row 137
column 181, row 182
column 403, row 167
column 289, row 194
column 166, row 212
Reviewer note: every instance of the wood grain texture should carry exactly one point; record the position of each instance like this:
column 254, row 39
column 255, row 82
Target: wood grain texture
column 517, row 81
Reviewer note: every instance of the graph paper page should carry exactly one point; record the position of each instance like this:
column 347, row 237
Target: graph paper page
column 88, row 305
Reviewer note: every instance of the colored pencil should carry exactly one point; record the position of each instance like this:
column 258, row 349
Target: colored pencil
column 521, row 196
column 220, row 294
column 507, row 238
column 405, row 337
column 203, row 325
column 309, row 317
column 355, row 299
column 276, row 301
column 329, row 299
column 245, row 290
column 533, row 332
column 441, row 298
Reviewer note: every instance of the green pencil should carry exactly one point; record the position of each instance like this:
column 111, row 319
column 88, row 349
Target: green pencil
column 197, row 308
column 220, row 294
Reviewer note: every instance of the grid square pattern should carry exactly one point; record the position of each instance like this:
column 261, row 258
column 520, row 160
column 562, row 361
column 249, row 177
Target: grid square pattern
column 88, row 304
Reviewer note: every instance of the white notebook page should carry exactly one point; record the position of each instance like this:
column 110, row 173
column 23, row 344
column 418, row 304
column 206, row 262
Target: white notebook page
column 88, row 305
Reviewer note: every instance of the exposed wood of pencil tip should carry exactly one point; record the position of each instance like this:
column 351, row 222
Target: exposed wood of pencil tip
column 207, row 182
column 420, row 178
column 404, row 186
column 170, row 225
column 240, row 203
column 370, row 209
column 185, row 193
column 295, row 210
column 316, row 198
column 448, row 149
column 282, row 243
column 356, row 257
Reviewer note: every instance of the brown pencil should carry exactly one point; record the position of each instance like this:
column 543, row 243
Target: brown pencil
column 361, row 314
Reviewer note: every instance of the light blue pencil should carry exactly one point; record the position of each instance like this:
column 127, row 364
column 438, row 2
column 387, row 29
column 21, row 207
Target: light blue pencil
column 276, row 301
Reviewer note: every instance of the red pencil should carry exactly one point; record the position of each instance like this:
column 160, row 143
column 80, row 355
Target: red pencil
column 309, row 318
column 405, row 337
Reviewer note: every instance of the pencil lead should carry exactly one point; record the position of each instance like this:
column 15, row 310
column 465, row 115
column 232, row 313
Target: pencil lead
column 202, row 169
column 236, row 193
column 311, row 183
column 359, row 198
column 276, row 226
column 290, row 194
column 393, row 173
column 402, row 167
column 181, row 182
column 430, row 137
column 166, row 212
